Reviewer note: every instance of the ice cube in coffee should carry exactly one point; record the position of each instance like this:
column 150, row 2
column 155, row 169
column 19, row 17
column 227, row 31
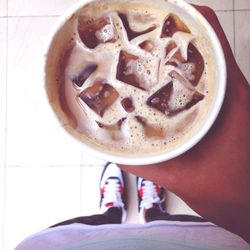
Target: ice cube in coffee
column 99, row 97
column 94, row 31
column 131, row 34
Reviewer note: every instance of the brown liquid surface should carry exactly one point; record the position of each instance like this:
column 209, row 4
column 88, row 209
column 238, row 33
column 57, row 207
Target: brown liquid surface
column 135, row 80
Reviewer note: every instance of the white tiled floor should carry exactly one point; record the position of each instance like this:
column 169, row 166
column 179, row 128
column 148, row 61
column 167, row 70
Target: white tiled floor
column 2, row 215
column 242, row 4
column 3, row 8
column 215, row 4
column 33, row 134
column 37, row 198
column 242, row 33
column 45, row 176
column 90, row 193
column 227, row 21
column 37, row 7
column 3, row 31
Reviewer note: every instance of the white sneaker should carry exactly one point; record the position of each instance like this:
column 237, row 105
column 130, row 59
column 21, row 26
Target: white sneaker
column 149, row 195
column 112, row 189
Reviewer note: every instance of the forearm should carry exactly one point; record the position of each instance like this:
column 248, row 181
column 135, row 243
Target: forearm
column 232, row 216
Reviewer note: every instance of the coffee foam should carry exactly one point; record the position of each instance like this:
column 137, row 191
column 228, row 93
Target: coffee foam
column 183, row 40
column 106, row 57
column 180, row 97
column 106, row 33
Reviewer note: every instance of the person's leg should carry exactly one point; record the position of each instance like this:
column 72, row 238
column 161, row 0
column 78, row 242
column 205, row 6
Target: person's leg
column 112, row 202
column 112, row 216
column 152, row 199
column 155, row 213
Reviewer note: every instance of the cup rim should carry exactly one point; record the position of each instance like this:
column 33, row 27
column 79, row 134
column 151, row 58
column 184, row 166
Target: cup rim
column 221, row 90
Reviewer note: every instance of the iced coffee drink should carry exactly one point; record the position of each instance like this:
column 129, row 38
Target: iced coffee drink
column 135, row 78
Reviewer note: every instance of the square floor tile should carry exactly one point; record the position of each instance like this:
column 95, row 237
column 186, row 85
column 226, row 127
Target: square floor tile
column 91, row 160
column 90, row 192
column 37, row 198
column 242, row 39
column 242, row 4
column 3, row 39
column 38, row 8
column 34, row 136
column 3, row 7
column 226, row 19
column 214, row 4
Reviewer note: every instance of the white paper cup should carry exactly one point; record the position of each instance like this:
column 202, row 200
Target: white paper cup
column 61, row 33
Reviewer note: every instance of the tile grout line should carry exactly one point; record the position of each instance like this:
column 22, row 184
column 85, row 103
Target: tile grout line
column 234, row 29
column 55, row 166
column 46, row 166
column 230, row 10
column 37, row 16
column 6, row 123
